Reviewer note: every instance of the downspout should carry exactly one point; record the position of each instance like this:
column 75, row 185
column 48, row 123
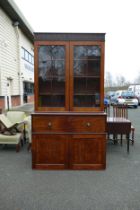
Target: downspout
column 16, row 26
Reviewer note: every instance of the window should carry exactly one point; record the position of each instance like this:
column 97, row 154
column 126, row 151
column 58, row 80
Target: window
column 27, row 56
column 28, row 88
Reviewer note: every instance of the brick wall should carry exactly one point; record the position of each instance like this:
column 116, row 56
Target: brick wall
column 15, row 100
column 2, row 104
column 30, row 98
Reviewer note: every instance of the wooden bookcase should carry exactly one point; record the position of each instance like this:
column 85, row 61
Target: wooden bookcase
column 69, row 123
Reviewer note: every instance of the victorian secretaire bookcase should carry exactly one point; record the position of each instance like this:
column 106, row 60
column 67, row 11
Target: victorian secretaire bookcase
column 69, row 123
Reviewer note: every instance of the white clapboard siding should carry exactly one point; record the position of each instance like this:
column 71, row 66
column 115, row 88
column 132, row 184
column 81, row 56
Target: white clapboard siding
column 11, row 62
column 9, row 54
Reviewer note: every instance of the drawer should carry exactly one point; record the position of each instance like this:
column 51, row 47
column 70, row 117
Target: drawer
column 50, row 124
column 88, row 124
column 72, row 124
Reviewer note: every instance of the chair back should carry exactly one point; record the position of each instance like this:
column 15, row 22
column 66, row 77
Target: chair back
column 107, row 109
column 16, row 116
column 120, row 111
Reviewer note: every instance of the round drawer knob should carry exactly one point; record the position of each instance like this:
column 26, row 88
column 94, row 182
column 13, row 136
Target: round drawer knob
column 88, row 124
column 49, row 124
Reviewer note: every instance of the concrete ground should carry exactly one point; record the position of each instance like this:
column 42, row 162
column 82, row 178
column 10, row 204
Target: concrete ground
column 27, row 108
column 116, row 188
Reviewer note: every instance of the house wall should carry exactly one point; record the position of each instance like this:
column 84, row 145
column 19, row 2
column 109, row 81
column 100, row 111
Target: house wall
column 14, row 70
column 8, row 55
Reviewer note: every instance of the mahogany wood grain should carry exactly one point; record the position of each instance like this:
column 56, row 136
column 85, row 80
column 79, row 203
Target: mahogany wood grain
column 50, row 151
column 73, row 136
column 70, row 142
column 66, row 123
column 87, row 152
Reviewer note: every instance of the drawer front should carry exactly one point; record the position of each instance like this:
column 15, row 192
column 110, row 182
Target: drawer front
column 50, row 124
column 88, row 124
column 72, row 124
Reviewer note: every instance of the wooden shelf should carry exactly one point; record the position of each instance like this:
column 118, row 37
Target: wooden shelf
column 87, row 59
column 87, row 77
column 54, row 77
column 51, row 94
column 84, row 94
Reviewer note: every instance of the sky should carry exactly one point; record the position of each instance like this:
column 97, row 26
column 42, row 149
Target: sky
column 119, row 19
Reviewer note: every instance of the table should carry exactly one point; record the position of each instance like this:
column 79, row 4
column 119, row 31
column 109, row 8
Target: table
column 119, row 125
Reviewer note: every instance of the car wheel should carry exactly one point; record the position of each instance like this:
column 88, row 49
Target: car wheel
column 135, row 106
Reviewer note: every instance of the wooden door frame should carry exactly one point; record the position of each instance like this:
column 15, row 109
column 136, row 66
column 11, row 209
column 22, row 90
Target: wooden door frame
column 47, row 43
column 101, row 107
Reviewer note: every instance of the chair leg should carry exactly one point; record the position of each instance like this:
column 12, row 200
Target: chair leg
column 115, row 140
column 127, row 139
column 29, row 147
column 132, row 130
column 121, row 140
column 22, row 142
column 18, row 147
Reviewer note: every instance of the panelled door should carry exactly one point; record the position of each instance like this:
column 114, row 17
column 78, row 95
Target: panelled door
column 52, row 76
column 86, row 76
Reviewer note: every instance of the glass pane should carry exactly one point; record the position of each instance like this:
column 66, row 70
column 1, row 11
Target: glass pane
column 26, row 55
column 59, row 68
column 80, row 67
column 86, row 86
column 93, row 68
column 86, row 67
column 58, row 86
column 51, row 67
column 55, row 52
column 86, row 52
column 87, row 101
column 52, row 101
column 45, row 87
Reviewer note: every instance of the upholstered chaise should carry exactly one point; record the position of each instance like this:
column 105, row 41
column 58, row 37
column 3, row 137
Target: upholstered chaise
column 8, row 132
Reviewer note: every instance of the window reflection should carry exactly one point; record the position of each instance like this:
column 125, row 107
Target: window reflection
column 86, row 51
column 51, row 70
column 49, row 63
column 55, row 52
column 86, row 65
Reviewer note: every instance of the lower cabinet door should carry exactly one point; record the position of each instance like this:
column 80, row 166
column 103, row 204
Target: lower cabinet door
column 88, row 152
column 49, row 151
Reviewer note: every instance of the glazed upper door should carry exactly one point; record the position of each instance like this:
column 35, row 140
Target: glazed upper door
column 86, row 76
column 52, row 76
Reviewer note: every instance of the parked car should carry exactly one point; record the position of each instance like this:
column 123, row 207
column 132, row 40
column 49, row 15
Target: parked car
column 106, row 101
column 125, row 97
column 136, row 90
column 130, row 99
column 117, row 97
column 110, row 94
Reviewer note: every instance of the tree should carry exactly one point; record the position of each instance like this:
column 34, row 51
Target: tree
column 120, row 81
column 108, row 79
column 137, row 80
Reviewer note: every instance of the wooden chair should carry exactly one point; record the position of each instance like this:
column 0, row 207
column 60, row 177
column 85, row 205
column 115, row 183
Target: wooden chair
column 122, row 111
column 28, row 131
column 107, row 109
